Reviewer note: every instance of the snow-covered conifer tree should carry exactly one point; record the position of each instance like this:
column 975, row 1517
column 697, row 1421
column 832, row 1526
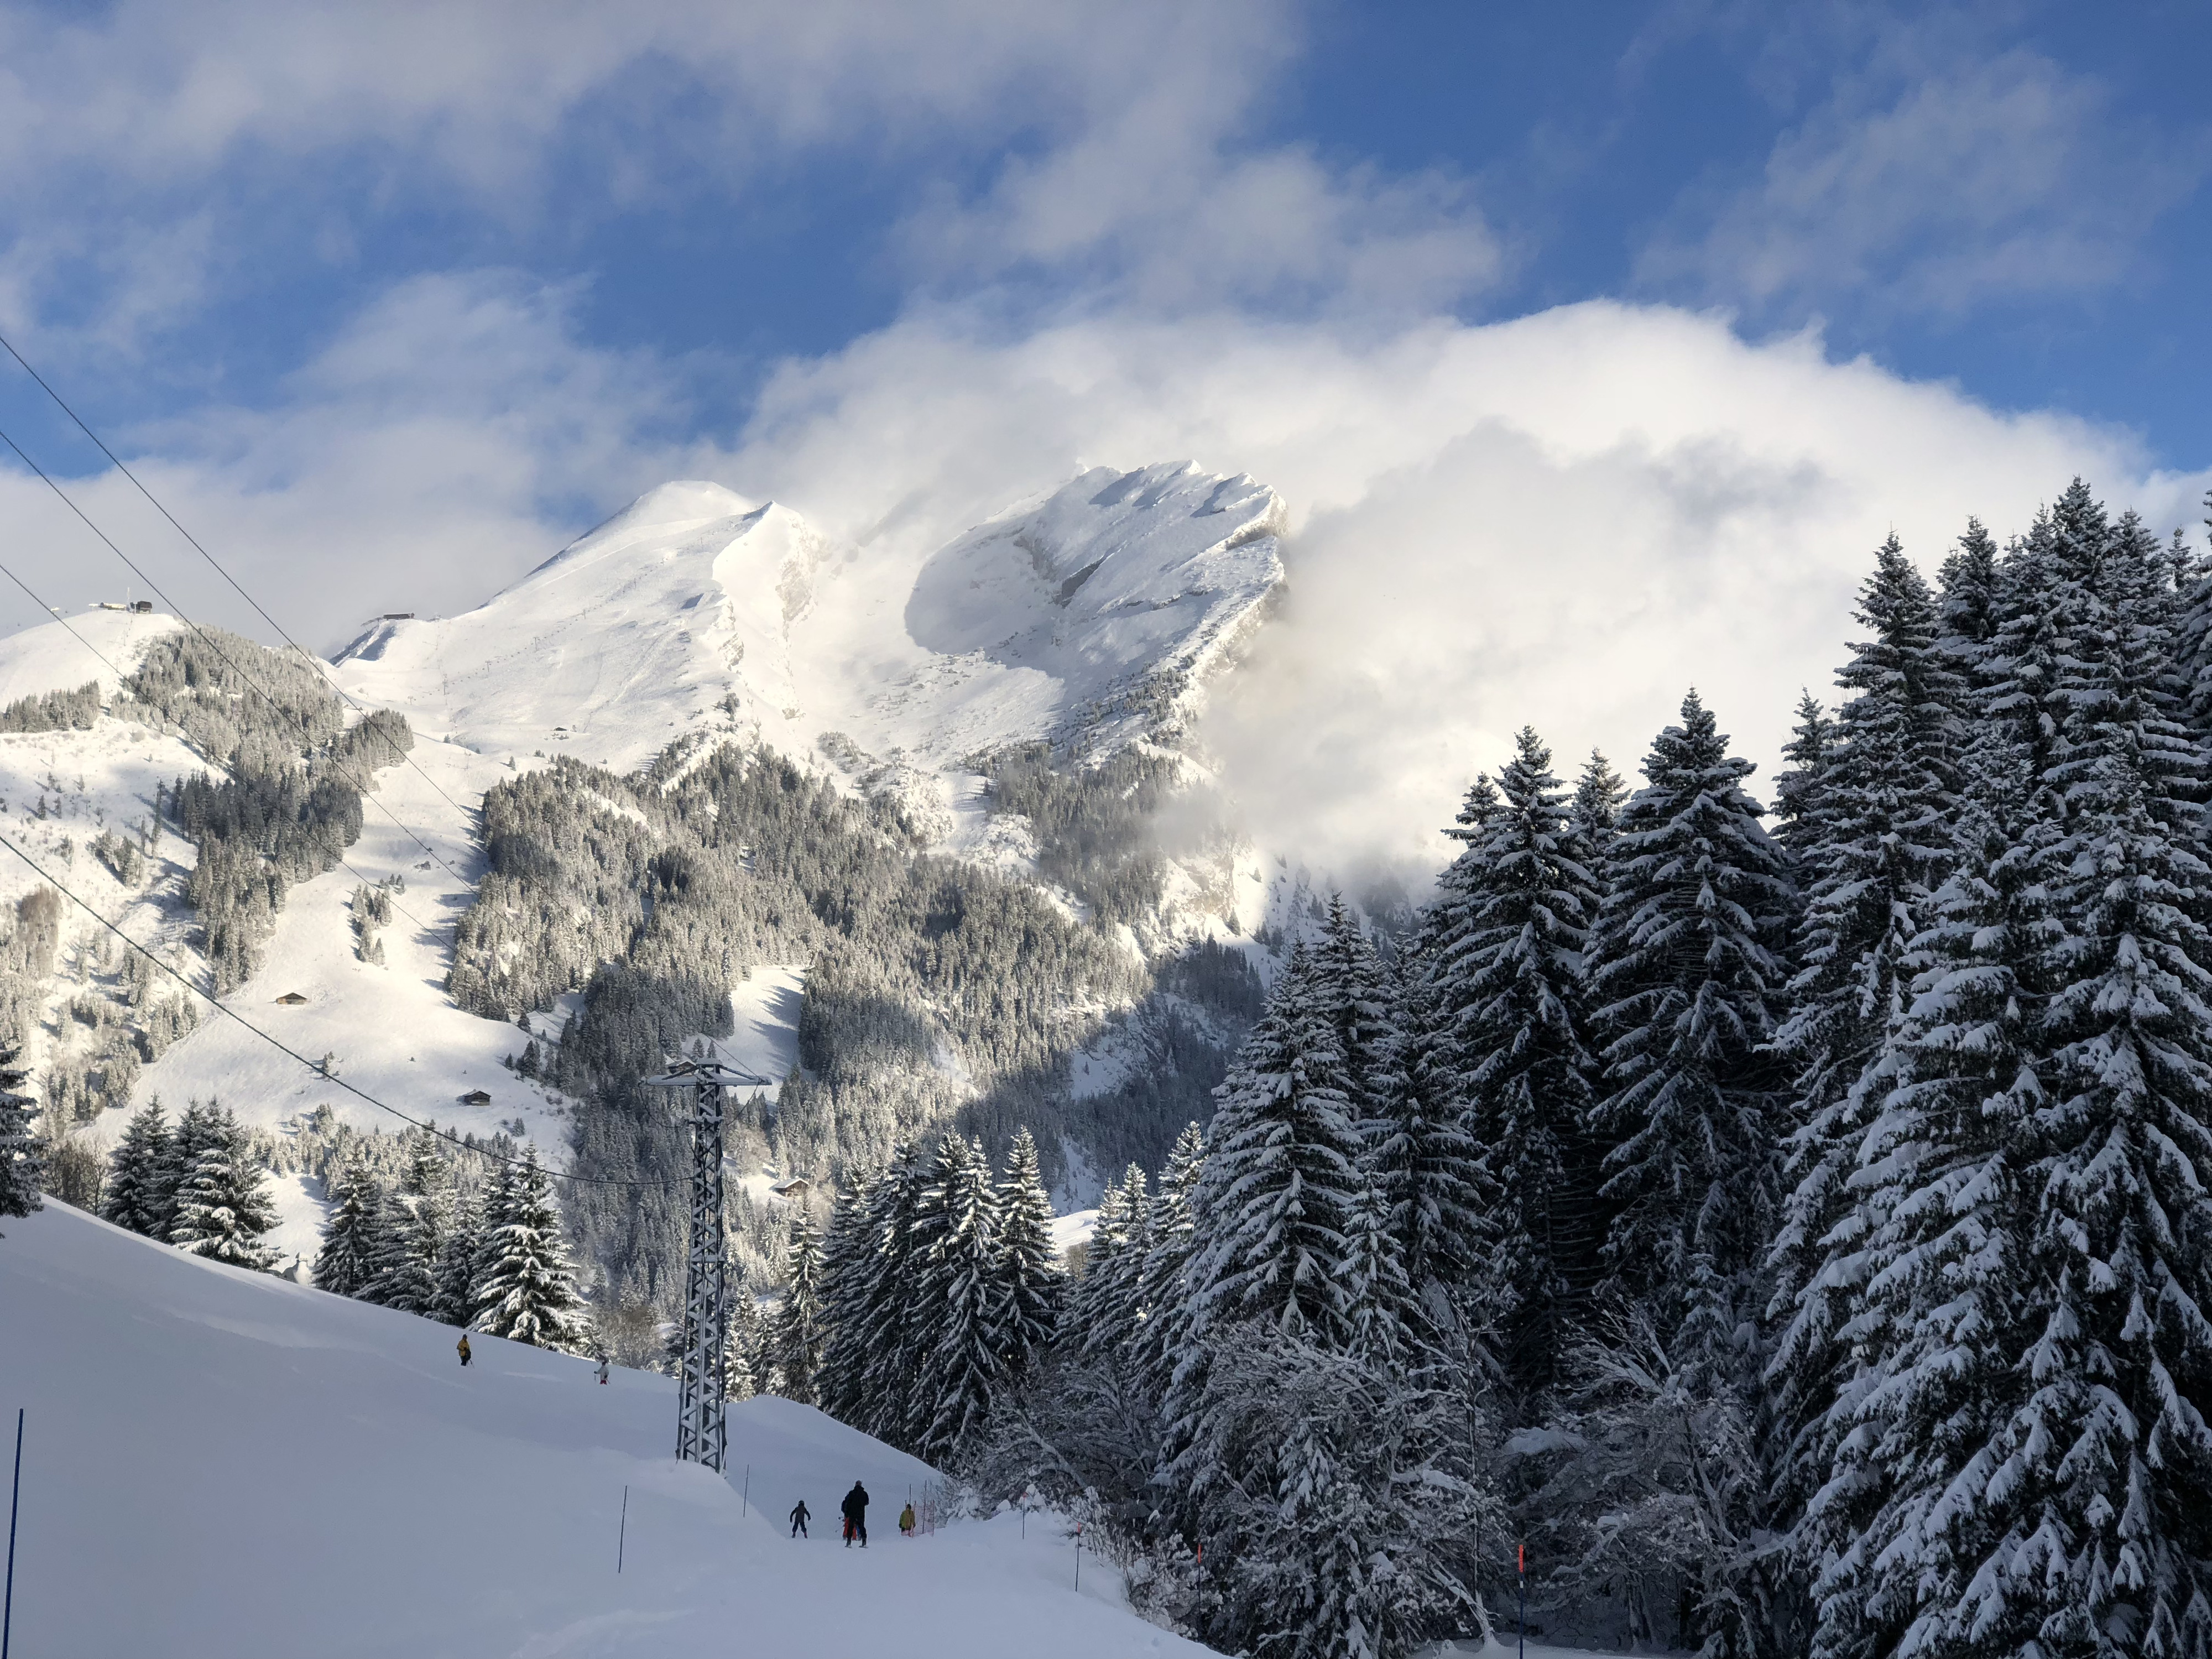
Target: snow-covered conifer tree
column 795, row 1337
column 1689, row 964
column 21, row 1167
column 457, row 1265
column 1799, row 792
column 1281, row 1174
column 199, row 1128
column 847, row 1290
column 1596, row 814
column 960, row 1285
column 890, row 1335
column 1351, row 990
column 1097, row 1301
column 134, row 1198
column 1888, row 795
column 2023, row 1453
column 1970, row 596
column 1504, row 963
column 744, row 1343
column 1027, row 1267
column 1163, row 1335
column 1429, row 1166
column 346, row 1264
column 222, row 1206
column 530, row 1293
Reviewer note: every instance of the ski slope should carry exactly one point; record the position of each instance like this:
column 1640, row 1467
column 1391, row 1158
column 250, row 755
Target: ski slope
column 220, row 1463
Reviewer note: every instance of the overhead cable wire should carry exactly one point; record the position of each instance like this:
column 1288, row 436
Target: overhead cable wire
column 117, row 461
column 222, row 766
column 366, row 791
column 284, row 1047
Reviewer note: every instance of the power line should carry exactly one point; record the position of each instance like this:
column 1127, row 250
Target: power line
column 117, row 461
column 366, row 790
column 286, row 1049
column 211, row 760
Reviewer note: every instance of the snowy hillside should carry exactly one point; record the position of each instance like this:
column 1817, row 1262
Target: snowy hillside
column 1089, row 617
column 219, row 1462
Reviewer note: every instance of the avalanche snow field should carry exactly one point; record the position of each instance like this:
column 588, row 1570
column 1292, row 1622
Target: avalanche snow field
column 223, row 1463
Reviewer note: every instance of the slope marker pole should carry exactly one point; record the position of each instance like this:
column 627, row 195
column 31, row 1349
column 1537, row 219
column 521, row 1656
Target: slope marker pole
column 15, row 1501
column 622, row 1539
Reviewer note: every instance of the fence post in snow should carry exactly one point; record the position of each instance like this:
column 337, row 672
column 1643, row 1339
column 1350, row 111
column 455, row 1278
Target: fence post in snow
column 14, row 1500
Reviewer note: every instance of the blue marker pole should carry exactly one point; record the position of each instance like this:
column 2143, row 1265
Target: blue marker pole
column 15, row 1501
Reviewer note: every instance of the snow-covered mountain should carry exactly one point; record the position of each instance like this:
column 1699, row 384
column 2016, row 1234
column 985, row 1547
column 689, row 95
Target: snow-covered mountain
column 1087, row 617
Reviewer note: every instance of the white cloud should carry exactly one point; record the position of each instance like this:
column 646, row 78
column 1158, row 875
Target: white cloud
column 1939, row 190
column 1564, row 520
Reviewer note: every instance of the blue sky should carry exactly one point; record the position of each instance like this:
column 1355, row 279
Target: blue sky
column 390, row 301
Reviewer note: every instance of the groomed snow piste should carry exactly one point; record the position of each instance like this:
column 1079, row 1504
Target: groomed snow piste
column 220, row 1462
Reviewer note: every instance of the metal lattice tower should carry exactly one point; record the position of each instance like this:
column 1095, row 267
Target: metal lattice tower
column 700, row 1429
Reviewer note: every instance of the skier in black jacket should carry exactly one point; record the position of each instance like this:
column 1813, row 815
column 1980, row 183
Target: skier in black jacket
column 856, row 1515
column 800, row 1515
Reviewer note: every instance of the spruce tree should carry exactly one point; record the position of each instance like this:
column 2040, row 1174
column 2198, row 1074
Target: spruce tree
column 1280, row 1177
column 346, row 1264
column 222, row 1205
column 134, row 1198
column 2022, row 1454
column 22, row 1169
column 847, row 1292
column 529, row 1294
column 415, row 1234
column 1164, row 1288
column 1429, row 1167
column 1970, row 600
column 1799, row 792
column 960, row 1283
column 1351, row 990
column 1506, row 969
column 744, row 1343
column 1027, row 1267
column 1888, row 793
column 457, row 1265
column 199, row 1128
column 795, row 1330
column 890, row 1336
column 1596, row 814
column 1689, row 965
column 1097, row 1300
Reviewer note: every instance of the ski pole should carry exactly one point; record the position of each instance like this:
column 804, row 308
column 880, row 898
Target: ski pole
column 1524, row 1600
column 747, row 1498
column 622, row 1538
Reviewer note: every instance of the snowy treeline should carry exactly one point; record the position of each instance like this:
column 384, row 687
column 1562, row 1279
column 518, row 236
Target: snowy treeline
column 290, row 804
column 487, row 1255
column 1804, row 1240
column 414, row 1223
column 939, row 995
column 54, row 711
column 197, row 1186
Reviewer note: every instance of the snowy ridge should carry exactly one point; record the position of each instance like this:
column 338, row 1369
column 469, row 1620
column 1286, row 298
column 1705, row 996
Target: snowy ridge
column 1086, row 616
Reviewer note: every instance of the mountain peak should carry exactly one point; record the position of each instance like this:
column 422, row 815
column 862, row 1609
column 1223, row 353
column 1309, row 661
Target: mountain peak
column 1084, row 616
